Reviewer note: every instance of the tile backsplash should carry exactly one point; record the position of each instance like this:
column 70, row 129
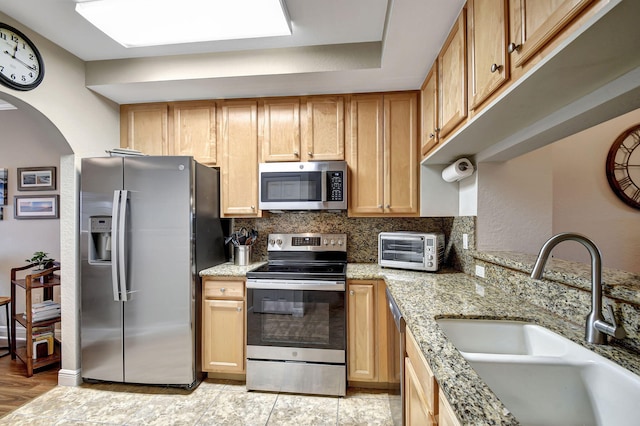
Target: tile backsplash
column 362, row 233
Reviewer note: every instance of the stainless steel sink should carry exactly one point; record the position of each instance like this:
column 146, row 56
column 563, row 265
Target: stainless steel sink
column 544, row 378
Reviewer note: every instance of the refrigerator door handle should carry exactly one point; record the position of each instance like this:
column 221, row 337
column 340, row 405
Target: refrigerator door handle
column 115, row 227
column 122, row 246
column 119, row 232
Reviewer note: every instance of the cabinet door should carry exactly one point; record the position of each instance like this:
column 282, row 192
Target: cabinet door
column 446, row 416
column 239, row 137
column 281, row 129
column 416, row 409
column 366, row 156
column 223, row 336
column 324, row 131
column 361, row 336
column 535, row 23
column 145, row 127
column 194, row 131
column 401, row 154
column 429, row 103
column 452, row 78
column 488, row 32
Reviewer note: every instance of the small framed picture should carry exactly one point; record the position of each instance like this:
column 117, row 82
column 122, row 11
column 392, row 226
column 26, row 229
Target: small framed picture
column 3, row 187
column 36, row 207
column 36, row 178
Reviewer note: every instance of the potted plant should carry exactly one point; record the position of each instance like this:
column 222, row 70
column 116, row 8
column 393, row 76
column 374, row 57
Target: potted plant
column 40, row 259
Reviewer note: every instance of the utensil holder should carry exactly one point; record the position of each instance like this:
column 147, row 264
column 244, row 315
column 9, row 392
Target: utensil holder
column 242, row 255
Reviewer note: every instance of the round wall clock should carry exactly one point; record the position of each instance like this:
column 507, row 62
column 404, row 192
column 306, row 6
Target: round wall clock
column 623, row 166
column 21, row 66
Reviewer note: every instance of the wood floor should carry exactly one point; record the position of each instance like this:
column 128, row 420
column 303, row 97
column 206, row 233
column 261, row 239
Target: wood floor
column 17, row 389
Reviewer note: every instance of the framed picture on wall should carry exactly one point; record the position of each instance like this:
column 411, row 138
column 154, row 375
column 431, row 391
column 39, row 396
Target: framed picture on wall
column 36, row 206
column 36, row 178
column 3, row 187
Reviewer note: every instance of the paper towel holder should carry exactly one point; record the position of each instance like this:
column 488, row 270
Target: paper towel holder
column 460, row 169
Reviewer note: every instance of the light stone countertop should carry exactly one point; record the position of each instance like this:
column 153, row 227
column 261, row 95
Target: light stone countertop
column 425, row 297
column 228, row 269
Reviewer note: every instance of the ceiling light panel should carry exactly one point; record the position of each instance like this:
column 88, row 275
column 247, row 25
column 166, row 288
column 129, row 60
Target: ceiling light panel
column 137, row 23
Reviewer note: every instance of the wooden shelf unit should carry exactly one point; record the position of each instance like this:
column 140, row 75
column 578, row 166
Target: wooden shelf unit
column 31, row 282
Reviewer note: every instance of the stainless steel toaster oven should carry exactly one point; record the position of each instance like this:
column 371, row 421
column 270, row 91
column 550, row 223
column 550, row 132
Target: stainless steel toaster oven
column 411, row 250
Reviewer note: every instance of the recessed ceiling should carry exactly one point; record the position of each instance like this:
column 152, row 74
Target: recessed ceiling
column 337, row 46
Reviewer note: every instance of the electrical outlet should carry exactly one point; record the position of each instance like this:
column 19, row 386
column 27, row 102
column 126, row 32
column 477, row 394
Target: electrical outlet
column 37, row 298
column 465, row 241
column 480, row 271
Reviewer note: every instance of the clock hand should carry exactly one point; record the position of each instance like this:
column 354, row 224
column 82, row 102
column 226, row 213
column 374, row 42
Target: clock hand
column 31, row 67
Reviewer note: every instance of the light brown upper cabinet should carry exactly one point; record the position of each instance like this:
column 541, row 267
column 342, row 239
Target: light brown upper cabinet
column 239, row 139
column 281, row 129
column 488, row 31
column 145, row 127
column 194, row 130
column 171, row 128
column 452, row 78
column 383, row 155
column 429, row 111
column 536, row 22
column 302, row 129
column 323, row 128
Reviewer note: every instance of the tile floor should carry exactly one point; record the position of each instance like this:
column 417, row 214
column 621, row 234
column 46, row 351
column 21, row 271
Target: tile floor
column 211, row 403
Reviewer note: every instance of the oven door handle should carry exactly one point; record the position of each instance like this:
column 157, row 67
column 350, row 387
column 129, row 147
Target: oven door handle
column 297, row 285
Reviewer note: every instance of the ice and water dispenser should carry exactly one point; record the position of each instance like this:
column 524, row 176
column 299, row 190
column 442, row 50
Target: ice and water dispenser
column 100, row 239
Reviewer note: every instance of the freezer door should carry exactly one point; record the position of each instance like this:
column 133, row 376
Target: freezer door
column 101, row 316
column 159, row 330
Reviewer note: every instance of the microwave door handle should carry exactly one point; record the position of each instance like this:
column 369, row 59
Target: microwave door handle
column 323, row 185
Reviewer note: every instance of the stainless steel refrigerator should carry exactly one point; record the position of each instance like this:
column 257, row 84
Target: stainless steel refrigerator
column 148, row 226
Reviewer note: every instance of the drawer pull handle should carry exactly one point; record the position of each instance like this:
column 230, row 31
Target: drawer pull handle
column 222, row 290
column 496, row 67
column 512, row 47
column 351, row 293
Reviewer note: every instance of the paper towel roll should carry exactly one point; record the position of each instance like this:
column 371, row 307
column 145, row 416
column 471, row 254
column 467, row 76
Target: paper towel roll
column 458, row 170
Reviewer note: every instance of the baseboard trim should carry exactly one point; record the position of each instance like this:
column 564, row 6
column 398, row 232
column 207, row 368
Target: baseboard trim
column 69, row 377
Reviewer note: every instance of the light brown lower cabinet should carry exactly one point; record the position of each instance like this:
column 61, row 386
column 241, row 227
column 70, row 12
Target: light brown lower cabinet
column 425, row 404
column 223, row 326
column 369, row 324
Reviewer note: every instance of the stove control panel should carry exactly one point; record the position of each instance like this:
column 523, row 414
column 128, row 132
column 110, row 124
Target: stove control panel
column 307, row 242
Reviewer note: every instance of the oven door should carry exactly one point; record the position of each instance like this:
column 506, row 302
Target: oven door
column 296, row 314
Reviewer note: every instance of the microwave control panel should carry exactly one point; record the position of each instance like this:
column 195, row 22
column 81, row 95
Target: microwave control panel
column 336, row 186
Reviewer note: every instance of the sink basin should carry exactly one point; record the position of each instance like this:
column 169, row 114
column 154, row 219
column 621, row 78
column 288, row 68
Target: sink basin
column 544, row 378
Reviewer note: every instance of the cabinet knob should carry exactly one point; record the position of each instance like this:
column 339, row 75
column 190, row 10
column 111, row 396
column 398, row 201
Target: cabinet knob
column 239, row 309
column 296, row 153
column 432, row 135
column 253, row 207
column 512, row 47
column 495, row 67
column 310, row 154
column 379, row 206
column 351, row 293
column 222, row 290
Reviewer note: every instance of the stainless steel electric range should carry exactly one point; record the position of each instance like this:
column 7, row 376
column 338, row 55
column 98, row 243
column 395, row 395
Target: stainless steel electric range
column 296, row 320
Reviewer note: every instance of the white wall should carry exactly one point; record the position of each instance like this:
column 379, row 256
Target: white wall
column 515, row 200
column 560, row 188
column 87, row 124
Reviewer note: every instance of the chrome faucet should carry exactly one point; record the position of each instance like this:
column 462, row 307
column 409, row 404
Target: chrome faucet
column 597, row 328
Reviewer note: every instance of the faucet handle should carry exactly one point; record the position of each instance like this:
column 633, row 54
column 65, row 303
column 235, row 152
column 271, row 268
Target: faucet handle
column 612, row 328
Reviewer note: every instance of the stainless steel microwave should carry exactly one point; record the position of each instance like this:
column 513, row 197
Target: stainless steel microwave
column 411, row 250
column 318, row 185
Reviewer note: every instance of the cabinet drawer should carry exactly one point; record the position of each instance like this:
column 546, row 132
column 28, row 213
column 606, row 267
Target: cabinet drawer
column 423, row 373
column 223, row 289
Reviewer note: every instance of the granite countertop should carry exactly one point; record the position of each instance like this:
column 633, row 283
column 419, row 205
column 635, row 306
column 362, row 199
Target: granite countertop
column 425, row 297
column 229, row 269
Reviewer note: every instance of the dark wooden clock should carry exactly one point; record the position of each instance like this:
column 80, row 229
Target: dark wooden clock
column 623, row 166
